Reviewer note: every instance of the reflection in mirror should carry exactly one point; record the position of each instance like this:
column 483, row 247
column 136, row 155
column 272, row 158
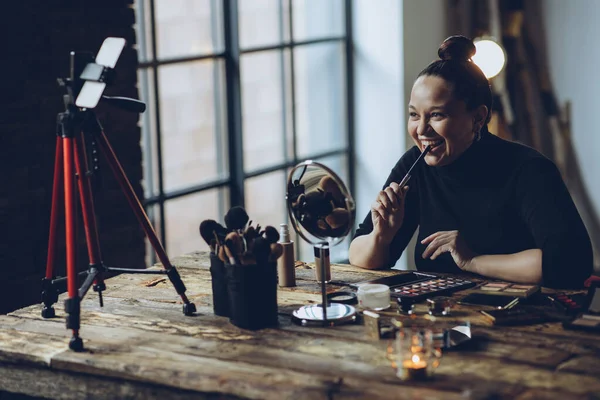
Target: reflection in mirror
column 321, row 208
column 322, row 212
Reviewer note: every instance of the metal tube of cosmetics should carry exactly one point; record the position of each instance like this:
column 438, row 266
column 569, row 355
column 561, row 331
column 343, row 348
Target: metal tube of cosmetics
column 406, row 178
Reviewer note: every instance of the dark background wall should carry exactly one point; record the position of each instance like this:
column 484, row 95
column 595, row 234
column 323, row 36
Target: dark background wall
column 38, row 37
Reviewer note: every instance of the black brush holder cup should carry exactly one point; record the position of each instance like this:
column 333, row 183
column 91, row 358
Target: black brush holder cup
column 252, row 295
column 219, row 286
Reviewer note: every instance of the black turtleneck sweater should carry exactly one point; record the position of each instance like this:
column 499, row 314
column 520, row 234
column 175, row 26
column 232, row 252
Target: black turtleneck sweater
column 503, row 197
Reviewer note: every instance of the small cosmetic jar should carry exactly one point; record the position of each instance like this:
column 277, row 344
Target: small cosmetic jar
column 440, row 305
column 374, row 296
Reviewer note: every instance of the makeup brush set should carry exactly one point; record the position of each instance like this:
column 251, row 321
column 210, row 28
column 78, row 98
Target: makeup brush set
column 239, row 242
column 243, row 267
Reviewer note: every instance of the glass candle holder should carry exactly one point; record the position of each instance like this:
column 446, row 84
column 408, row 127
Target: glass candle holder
column 413, row 354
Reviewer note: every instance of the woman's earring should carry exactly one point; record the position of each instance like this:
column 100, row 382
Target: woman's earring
column 477, row 132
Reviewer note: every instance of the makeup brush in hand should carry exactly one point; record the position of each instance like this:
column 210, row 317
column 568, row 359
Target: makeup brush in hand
column 408, row 175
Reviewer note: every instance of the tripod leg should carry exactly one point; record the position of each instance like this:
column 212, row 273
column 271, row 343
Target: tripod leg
column 89, row 220
column 49, row 292
column 72, row 304
column 188, row 307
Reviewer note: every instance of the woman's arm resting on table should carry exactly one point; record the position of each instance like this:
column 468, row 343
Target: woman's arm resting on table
column 563, row 254
column 369, row 251
column 563, row 258
column 521, row 267
column 548, row 210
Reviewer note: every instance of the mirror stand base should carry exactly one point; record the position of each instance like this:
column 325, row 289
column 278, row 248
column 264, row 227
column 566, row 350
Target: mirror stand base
column 336, row 314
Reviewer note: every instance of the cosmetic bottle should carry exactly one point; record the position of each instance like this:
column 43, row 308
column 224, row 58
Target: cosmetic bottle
column 286, row 269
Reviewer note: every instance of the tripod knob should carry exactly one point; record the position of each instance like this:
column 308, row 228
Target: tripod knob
column 99, row 287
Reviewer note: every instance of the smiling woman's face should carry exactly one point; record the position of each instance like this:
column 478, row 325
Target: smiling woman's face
column 439, row 120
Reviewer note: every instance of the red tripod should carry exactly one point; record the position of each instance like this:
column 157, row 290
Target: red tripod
column 78, row 130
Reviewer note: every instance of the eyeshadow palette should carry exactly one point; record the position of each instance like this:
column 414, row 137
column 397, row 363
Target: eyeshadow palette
column 397, row 279
column 507, row 289
column 516, row 316
column 436, row 286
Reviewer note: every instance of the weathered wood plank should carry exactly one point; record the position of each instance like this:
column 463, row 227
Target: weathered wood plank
column 189, row 371
column 169, row 313
column 493, row 342
column 149, row 359
column 293, row 341
column 541, row 394
column 471, row 367
column 560, row 340
column 582, row 364
column 31, row 381
column 27, row 347
column 367, row 359
column 196, row 373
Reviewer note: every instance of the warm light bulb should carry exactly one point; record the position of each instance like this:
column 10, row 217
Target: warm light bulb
column 415, row 358
column 489, row 57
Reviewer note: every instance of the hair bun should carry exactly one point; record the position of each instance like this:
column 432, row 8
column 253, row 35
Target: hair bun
column 459, row 48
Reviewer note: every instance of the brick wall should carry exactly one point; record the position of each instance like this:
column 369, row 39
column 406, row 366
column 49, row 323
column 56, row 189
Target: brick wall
column 38, row 38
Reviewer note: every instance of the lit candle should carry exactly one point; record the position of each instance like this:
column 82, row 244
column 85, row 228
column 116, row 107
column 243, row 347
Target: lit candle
column 415, row 368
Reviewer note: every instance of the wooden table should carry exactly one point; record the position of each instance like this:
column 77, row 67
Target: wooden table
column 141, row 346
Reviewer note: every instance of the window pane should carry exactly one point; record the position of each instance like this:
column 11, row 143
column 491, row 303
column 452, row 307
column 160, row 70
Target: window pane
column 317, row 18
column 265, row 199
column 143, row 30
column 186, row 28
column 193, row 138
column 148, row 124
column 262, row 22
column 183, row 216
column 320, row 98
column 263, row 105
column 339, row 165
column 153, row 213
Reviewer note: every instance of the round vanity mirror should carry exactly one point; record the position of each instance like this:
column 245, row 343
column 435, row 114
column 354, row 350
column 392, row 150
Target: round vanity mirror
column 322, row 211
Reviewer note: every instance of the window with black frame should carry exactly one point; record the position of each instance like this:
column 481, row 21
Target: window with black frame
column 238, row 92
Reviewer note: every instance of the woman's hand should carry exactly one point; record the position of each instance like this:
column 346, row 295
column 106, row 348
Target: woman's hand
column 449, row 242
column 387, row 212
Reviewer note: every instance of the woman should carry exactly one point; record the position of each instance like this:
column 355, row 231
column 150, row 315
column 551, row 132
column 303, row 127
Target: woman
column 482, row 204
